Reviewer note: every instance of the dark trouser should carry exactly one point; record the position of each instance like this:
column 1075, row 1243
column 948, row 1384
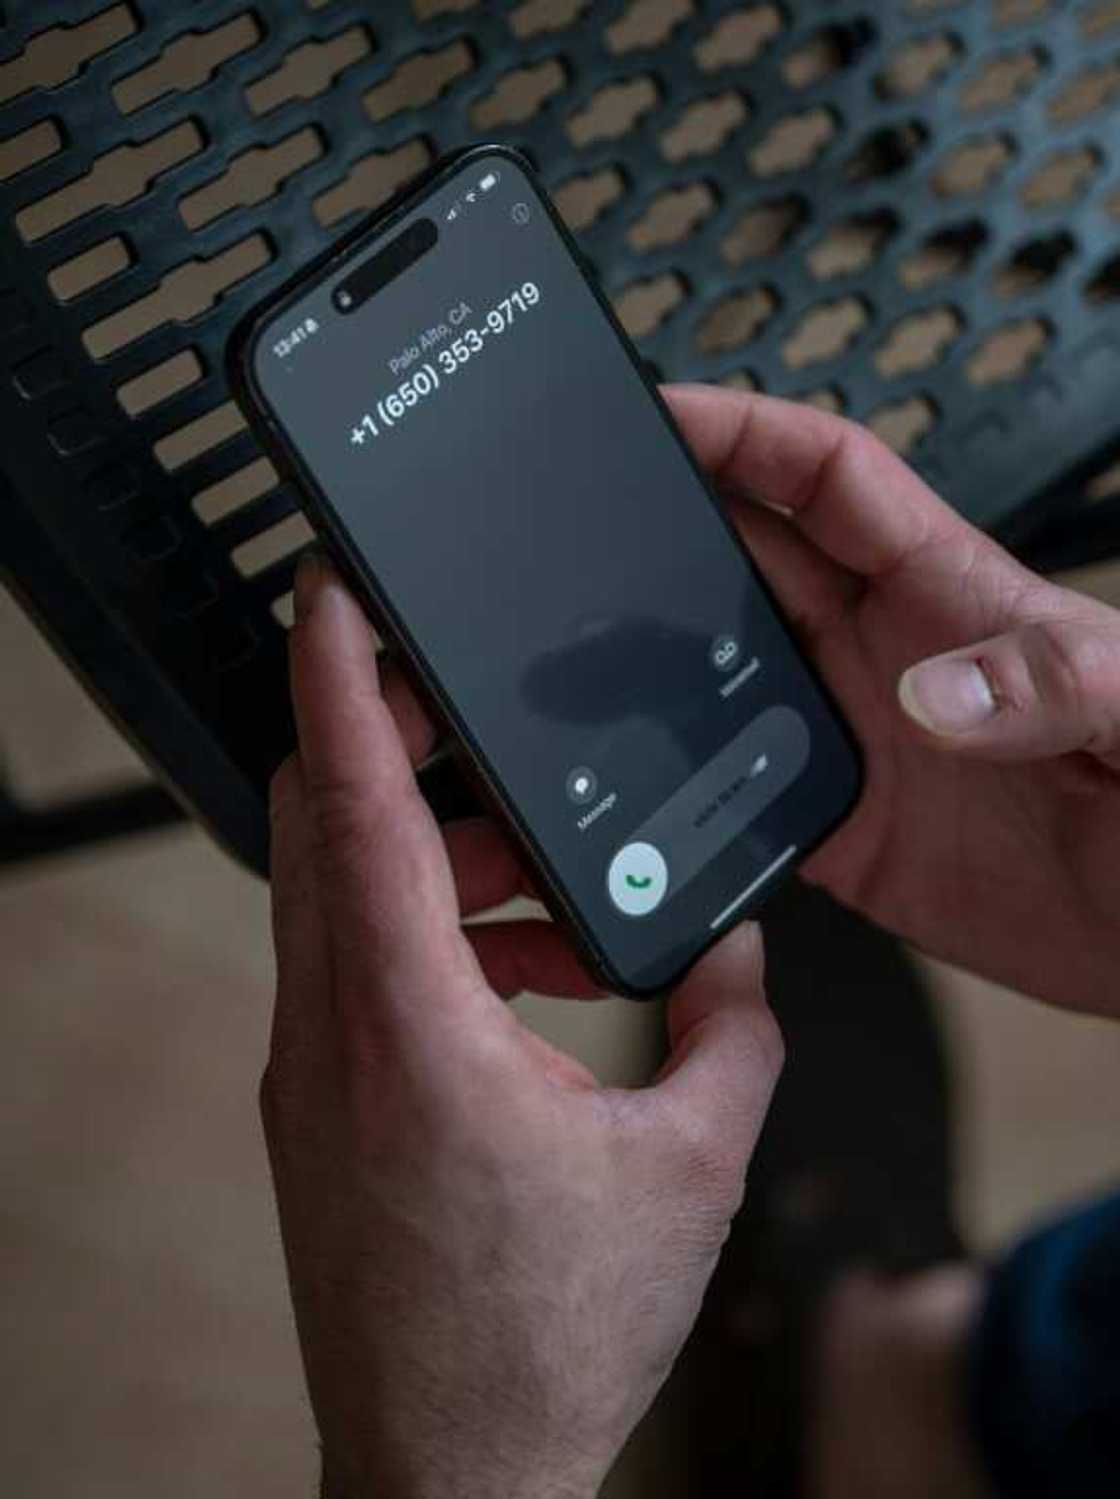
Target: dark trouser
column 1045, row 1375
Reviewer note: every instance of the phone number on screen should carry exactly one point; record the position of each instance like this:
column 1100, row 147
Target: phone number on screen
column 394, row 405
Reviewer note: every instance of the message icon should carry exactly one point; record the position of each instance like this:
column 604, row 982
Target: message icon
column 581, row 785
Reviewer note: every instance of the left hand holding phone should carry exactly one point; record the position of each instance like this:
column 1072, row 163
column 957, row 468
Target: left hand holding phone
column 493, row 1260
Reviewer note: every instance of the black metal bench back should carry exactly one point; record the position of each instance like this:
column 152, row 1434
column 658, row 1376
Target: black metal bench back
column 909, row 213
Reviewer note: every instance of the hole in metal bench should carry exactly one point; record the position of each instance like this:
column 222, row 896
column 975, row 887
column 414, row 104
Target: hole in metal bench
column 538, row 16
column 903, row 424
column 117, row 178
column 946, row 253
column 917, row 65
column 1091, row 90
column 187, row 62
column 738, row 38
column 253, row 177
column 205, row 433
column 1034, row 263
column 646, row 23
column 582, row 200
column 183, row 295
column 852, row 245
column 794, row 143
column 613, row 111
column 53, row 57
column 825, row 332
column 672, row 217
column 973, row 167
column 1061, row 178
column 644, row 305
column 252, row 482
column 169, row 378
column 27, row 149
column 1009, row 352
column 309, row 70
column 419, row 80
column 764, row 230
column 371, row 181
column 1002, row 80
column 828, row 52
column 918, row 341
column 736, row 320
column 281, row 540
column 519, row 95
column 73, row 278
column 704, row 126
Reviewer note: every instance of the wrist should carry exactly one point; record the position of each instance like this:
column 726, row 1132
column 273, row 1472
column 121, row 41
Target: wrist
column 345, row 1481
column 543, row 1489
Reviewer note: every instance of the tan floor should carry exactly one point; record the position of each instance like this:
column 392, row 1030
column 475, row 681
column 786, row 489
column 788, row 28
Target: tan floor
column 146, row 1344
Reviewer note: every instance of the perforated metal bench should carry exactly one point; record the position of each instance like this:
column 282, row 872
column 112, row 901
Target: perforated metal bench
column 907, row 213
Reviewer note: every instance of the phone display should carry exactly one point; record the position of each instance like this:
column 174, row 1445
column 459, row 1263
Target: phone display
column 480, row 445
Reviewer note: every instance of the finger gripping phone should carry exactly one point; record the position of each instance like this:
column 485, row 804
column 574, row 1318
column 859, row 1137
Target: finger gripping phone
column 480, row 446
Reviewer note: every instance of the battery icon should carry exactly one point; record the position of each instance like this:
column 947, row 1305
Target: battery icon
column 489, row 181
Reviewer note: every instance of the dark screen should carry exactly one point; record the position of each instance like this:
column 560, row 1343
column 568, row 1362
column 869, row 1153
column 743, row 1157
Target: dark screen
column 482, row 434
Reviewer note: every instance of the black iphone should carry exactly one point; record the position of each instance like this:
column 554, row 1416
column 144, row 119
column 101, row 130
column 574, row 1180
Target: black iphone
column 486, row 457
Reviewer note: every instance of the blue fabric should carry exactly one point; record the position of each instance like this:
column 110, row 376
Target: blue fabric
column 1045, row 1365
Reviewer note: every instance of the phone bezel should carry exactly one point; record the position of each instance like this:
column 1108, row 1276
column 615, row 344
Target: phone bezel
column 353, row 564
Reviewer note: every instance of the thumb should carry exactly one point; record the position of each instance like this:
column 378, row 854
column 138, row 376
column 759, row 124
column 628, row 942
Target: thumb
column 725, row 1046
column 1048, row 688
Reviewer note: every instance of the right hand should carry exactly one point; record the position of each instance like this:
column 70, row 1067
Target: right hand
column 493, row 1260
column 986, row 699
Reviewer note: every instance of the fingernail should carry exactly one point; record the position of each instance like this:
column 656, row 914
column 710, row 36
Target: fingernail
column 309, row 574
column 948, row 695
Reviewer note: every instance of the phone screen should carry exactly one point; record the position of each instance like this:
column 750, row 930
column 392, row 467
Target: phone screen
column 485, row 448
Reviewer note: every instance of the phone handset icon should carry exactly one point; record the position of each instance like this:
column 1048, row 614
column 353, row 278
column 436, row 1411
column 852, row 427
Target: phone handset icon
column 637, row 879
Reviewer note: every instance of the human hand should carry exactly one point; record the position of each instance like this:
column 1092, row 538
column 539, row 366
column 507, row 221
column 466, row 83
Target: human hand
column 986, row 699
column 493, row 1260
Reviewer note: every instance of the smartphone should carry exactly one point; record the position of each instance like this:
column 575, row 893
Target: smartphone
column 493, row 469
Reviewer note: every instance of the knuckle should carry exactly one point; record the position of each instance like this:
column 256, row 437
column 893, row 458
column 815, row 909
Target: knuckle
column 768, row 1046
column 841, row 453
column 856, row 451
column 1064, row 661
column 857, row 444
column 341, row 820
column 714, row 1145
column 711, row 1158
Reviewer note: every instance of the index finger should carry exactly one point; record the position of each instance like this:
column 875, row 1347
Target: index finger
column 388, row 896
column 844, row 489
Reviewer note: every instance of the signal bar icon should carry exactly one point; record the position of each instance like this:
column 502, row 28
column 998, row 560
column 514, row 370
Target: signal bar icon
column 489, row 181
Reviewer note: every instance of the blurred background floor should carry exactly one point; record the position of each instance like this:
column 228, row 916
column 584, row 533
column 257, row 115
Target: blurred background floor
column 145, row 1337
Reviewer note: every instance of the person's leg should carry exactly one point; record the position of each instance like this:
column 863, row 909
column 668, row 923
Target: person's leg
column 1045, row 1362
column 889, row 1414
column 854, row 1168
column 958, row 1383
